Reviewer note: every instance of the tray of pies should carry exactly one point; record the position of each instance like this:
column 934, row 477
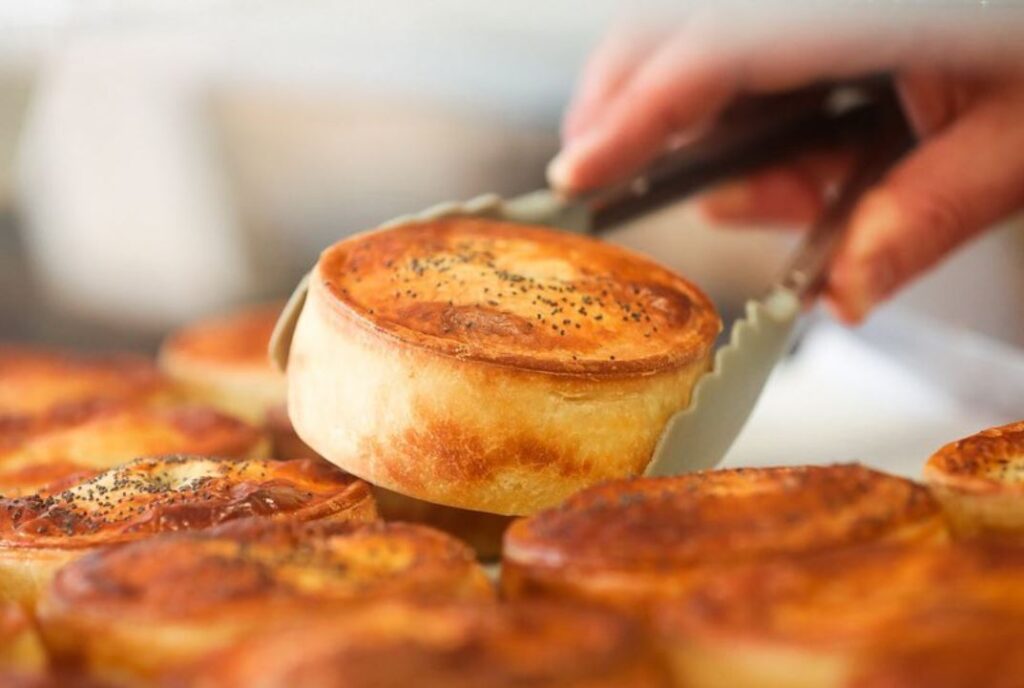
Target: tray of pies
column 444, row 487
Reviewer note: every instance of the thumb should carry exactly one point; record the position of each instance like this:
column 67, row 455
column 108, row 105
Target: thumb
column 947, row 191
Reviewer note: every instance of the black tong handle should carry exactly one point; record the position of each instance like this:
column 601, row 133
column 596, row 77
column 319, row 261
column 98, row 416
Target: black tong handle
column 751, row 134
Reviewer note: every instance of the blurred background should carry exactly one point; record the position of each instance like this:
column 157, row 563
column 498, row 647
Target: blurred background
column 164, row 160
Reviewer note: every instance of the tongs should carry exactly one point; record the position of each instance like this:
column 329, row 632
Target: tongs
column 863, row 115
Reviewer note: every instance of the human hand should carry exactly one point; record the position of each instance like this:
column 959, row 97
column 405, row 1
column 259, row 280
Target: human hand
column 962, row 87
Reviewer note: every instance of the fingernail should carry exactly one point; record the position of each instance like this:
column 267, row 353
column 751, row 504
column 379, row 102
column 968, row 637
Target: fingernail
column 564, row 170
column 865, row 288
column 558, row 171
column 868, row 273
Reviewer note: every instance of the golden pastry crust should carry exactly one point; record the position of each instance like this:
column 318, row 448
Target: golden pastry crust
column 404, row 643
column 20, row 646
column 41, row 533
column 633, row 315
column 66, row 416
column 48, row 450
column 37, row 381
column 224, row 361
column 979, row 481
column 952, row 648
column 492, row 366
column 636, row 543
column 141, row 609
column 815, row 620
column 480, row 530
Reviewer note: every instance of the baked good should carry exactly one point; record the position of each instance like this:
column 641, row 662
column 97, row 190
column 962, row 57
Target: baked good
column 23, row 659
column 223, row 361
column 21, row 649
column 41, row 533
column 64, row 416
column 35, row 381
column 979, row 481
column 819, row 620
column 492, row 366
column 635, row 543
column 51, row 450
column 478, row 529
column 403, row 643
column 136, row 611
column 951, row 648
column 46, row 679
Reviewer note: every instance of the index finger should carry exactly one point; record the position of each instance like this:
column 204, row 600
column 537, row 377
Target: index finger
column 709, row 61
column 607, row 70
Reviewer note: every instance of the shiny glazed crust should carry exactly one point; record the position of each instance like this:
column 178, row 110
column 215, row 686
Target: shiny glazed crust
column 492, row 366
column 40, row 533
column 51, row 449
column 40, row 381
column 404, row 643
column 223, row 361
column 138, row 610
column 818, row 620
column 979, row 481
column 636, row 543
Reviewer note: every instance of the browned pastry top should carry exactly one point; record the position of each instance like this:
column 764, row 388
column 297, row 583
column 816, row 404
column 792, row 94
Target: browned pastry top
column 148, row 496
column 236, row 340
column 397, row 644
column 521, row 296
column 37, row 450
column 35, row 381
column 990, row 461
column 852, row 597
column 262, row 568
column 658, row 524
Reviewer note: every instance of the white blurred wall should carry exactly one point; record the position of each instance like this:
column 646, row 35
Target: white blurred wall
column 176, row 158
column 181, row 156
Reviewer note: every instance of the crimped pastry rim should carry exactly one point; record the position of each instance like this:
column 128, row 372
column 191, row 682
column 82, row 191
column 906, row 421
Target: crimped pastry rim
column 175, row 350
column 430, row 548
column 352, row 495
column 705, row 322
column 943, row 469
column 526, row 546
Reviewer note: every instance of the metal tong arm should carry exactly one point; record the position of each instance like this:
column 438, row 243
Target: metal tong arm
column 806, row 273
column 699, row 436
